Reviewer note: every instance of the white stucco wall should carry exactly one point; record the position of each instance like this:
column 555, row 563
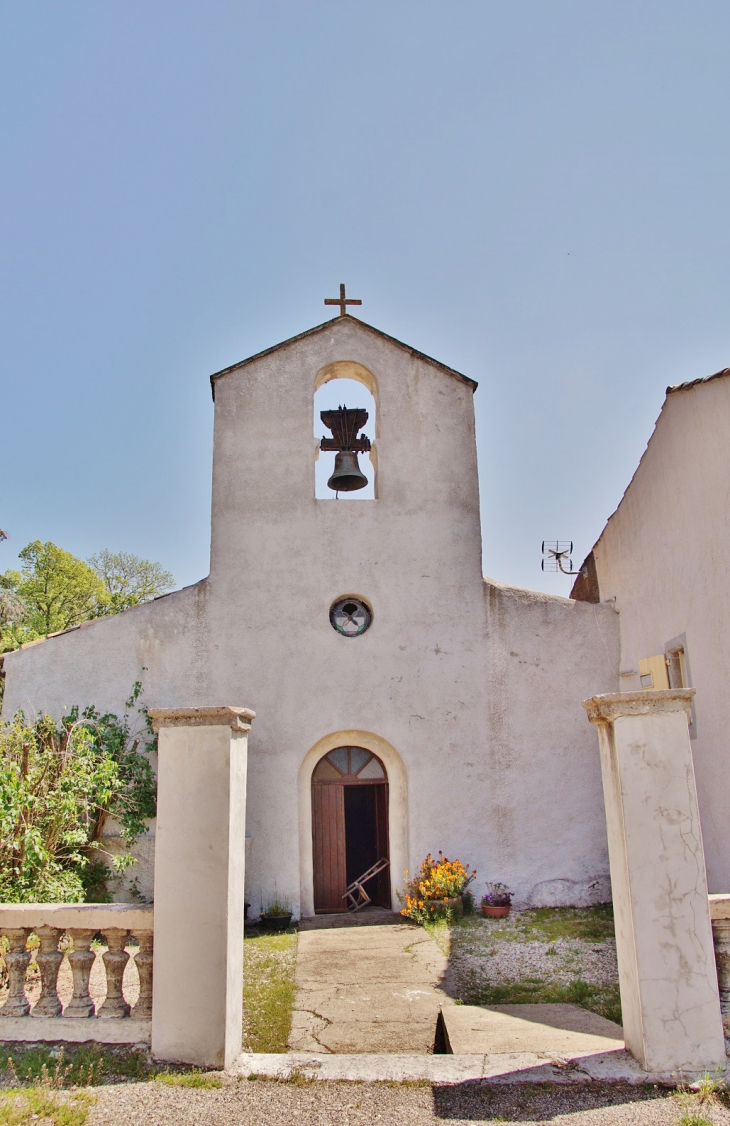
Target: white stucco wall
column 664, row 557
column 476, row 687
column 541, row 777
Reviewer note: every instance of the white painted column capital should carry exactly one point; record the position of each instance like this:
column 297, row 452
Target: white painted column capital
column 669, row 994
column 649, row 701
column 227, row 715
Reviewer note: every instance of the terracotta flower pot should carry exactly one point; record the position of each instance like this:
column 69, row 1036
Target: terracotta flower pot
column 456, row 904
column 496, row 912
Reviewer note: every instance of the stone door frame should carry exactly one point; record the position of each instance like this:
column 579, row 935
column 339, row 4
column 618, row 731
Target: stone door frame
column 397, row 808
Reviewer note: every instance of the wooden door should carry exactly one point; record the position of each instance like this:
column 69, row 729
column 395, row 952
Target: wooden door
column 328, row 838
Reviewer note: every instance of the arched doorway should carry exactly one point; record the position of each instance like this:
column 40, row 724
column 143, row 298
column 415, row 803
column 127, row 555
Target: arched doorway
column 349, row 826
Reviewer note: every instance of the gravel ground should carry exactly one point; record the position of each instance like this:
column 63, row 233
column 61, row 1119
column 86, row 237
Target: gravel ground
column 534, row 956
column 561, row 961
column 355, row 1104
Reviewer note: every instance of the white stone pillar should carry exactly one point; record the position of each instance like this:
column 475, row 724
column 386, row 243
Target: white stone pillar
column 199, row 877
column 669, row 994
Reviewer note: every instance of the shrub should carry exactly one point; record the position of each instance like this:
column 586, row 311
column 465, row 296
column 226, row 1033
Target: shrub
column 437, row 880
column 275, row 910
column 59, row 782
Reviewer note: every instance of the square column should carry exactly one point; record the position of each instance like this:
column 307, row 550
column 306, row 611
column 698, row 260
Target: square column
column 197, row 1001
column 666, row 962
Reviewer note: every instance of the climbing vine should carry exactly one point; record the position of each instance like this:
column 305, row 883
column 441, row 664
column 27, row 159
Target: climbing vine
column 60, row 781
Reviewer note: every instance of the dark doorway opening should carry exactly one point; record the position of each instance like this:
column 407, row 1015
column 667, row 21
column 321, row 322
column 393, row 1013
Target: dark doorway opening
column 366, row 838
column 361, row 834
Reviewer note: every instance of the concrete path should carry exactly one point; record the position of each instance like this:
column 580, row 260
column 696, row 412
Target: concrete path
column 366, row 988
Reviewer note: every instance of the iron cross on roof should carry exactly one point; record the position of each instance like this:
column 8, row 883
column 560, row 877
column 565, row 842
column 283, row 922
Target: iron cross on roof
column 342, row 300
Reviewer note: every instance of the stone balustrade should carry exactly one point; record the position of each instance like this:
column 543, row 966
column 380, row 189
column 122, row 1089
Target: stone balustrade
column 47, row 1019
column 720, row 916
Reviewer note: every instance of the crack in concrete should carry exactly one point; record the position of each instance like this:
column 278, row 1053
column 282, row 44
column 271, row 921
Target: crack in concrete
column 310, row 1031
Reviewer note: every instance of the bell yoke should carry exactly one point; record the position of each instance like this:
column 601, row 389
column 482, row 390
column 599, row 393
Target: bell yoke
column 345, row 424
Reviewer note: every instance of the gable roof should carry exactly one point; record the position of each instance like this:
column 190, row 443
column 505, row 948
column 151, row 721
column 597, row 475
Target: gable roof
column 329, row 324
column 694, row 382
column 580, row 586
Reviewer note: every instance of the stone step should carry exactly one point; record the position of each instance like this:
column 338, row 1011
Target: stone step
column 561, row 1031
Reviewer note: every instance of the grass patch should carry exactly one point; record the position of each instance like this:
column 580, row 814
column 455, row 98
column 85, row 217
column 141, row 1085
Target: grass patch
column 709, row 1091
column 269, row 964
column 601, row 999
column 48, row 1068
column 440, row 932
column 712, row 1088
column 538, row 924
column 194, row 1078
column 82, row 1065
column 46, row 1073
column 24, row 1105
column 54, row 1068
column 546, row 924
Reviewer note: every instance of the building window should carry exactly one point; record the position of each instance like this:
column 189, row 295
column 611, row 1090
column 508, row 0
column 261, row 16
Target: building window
column 653, row 672
column 350, row 616
column 677, row 668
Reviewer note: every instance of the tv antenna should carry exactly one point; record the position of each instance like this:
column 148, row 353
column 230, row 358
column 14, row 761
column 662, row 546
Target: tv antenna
column 557, row 552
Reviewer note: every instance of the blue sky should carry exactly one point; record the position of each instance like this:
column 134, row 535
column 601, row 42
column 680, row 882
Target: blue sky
column 534, row 191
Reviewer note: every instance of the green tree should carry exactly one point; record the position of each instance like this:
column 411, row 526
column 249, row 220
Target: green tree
column 56, row 589
column 129, row 580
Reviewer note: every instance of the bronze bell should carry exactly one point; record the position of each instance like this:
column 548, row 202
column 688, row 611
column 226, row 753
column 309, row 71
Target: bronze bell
column 347, row 475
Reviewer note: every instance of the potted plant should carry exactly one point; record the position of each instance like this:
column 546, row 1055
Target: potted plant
column 497, row 901
column 275, row 916
column 437, row 890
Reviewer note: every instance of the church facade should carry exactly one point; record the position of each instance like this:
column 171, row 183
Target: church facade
column 404, row 703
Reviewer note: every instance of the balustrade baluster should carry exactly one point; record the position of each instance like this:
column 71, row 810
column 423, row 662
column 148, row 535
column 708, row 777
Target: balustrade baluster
column 81, row 922
column 81, row 959
column 49, row 959
column 115, row 960
column 721, row 936
column 16, row 960
column 143, row 961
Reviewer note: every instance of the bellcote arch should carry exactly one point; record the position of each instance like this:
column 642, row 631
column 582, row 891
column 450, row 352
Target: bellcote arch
column 350, row 370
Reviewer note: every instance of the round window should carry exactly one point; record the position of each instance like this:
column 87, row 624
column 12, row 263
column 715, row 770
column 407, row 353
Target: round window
column 350, row 616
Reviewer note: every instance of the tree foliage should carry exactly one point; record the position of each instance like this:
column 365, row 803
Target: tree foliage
column 129, row 580
column 59, row 783
column 54, row 590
